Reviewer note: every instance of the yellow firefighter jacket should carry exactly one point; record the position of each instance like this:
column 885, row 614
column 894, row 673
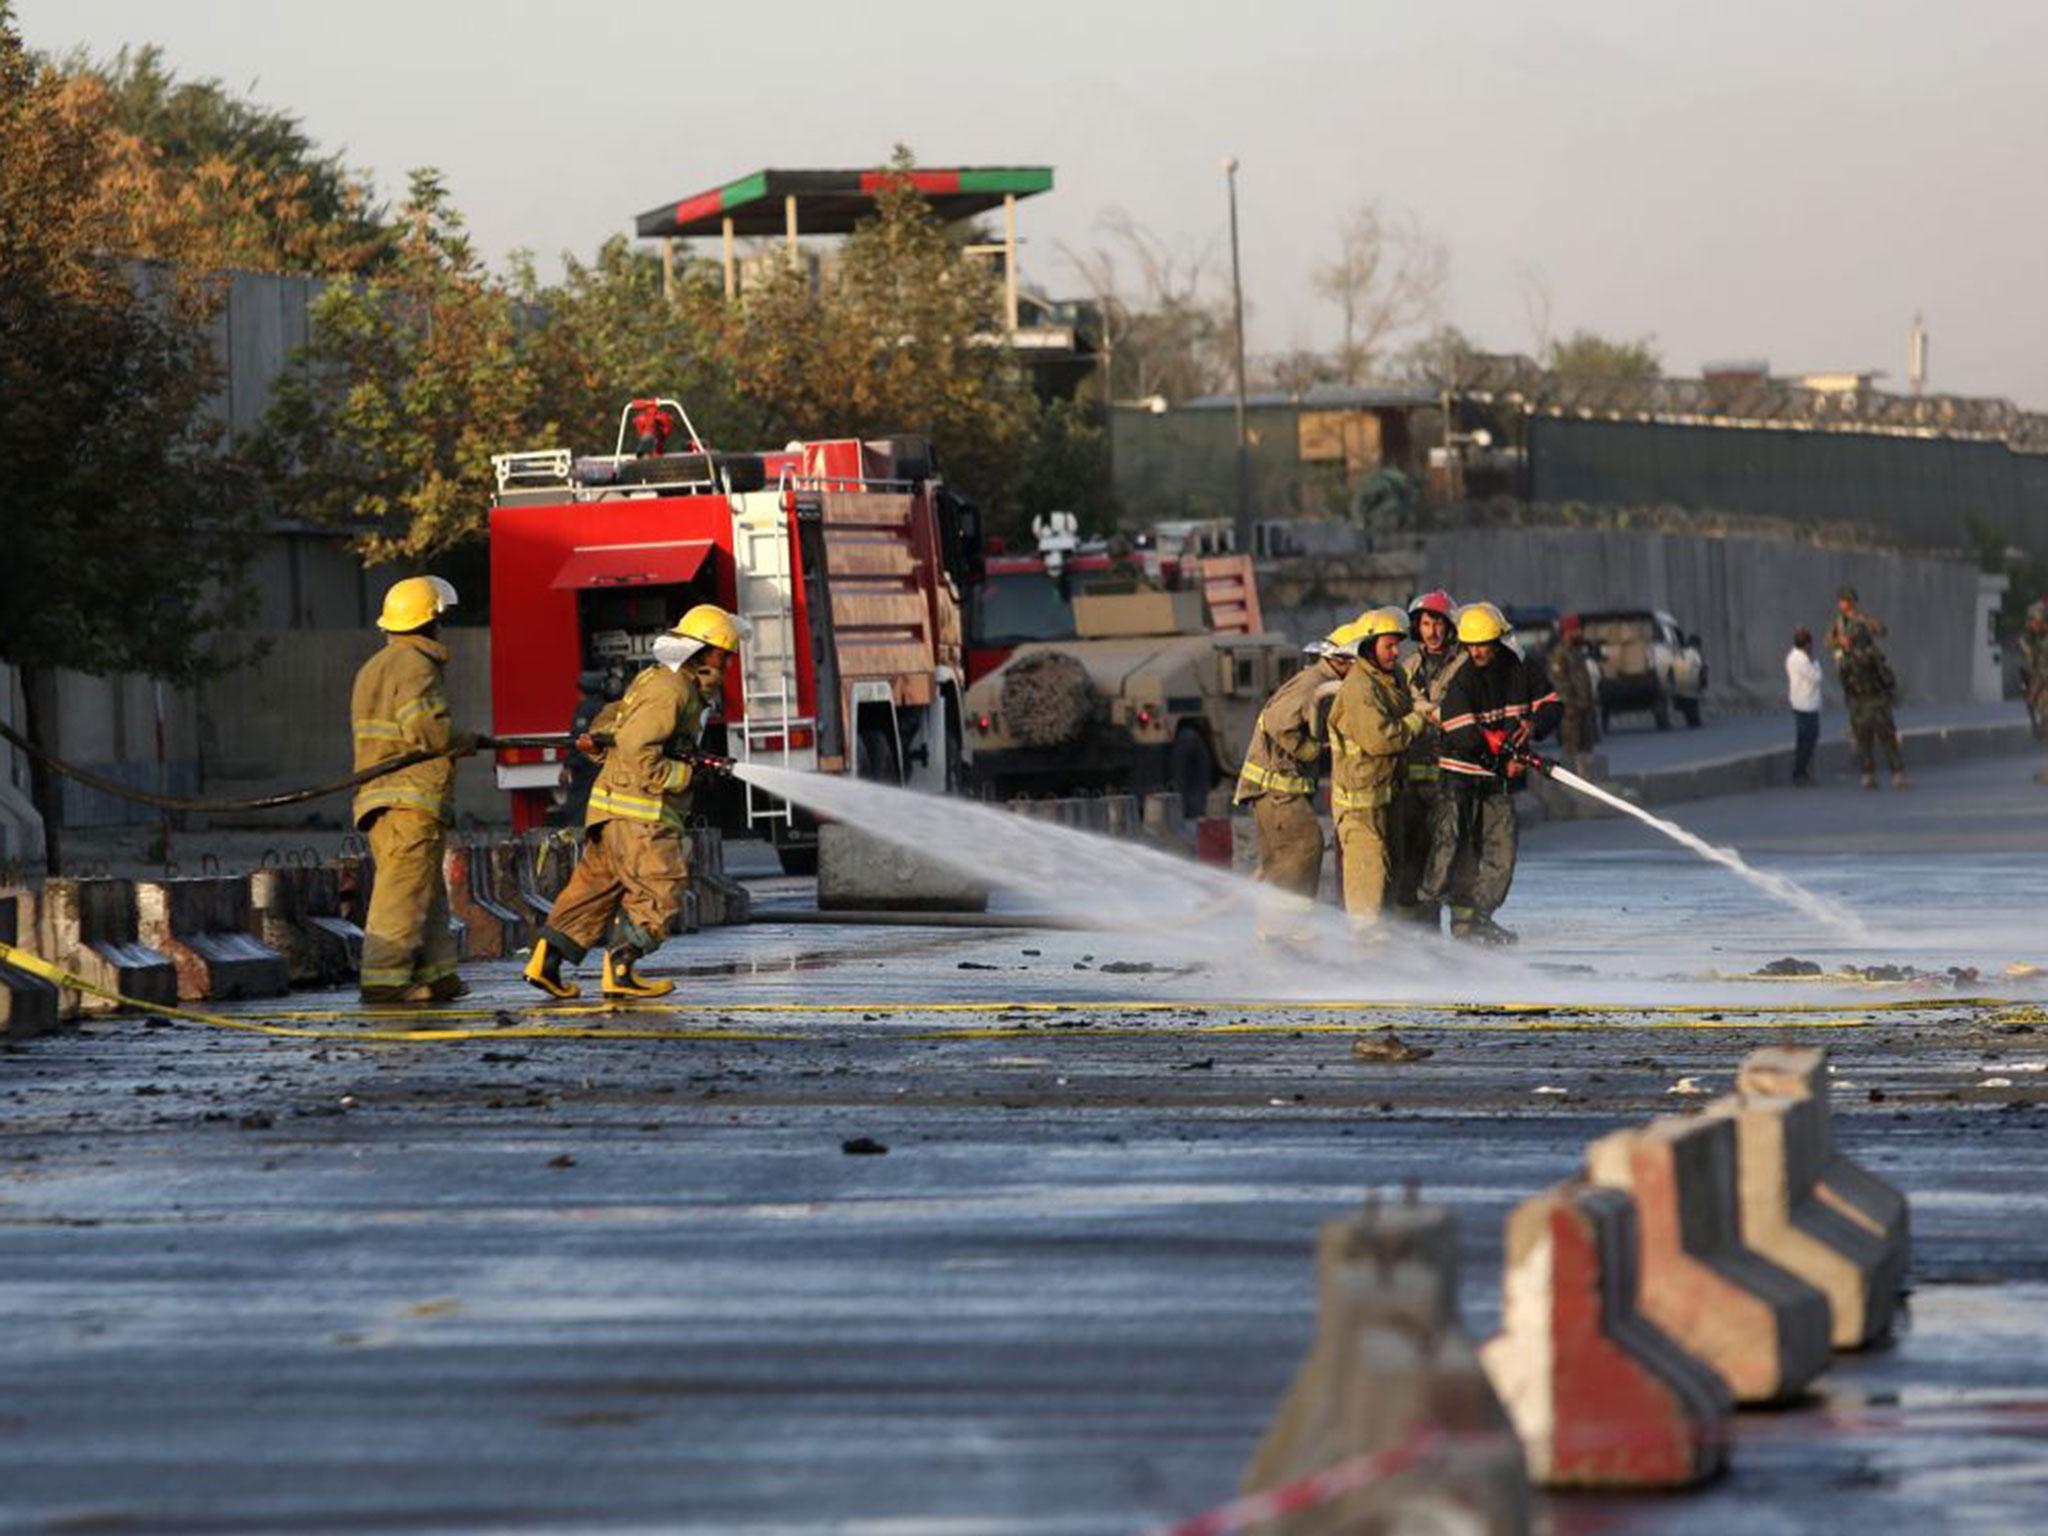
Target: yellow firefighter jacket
column 398, row 707
column 1372, row 723
column 643, row 778
column 1280, row 759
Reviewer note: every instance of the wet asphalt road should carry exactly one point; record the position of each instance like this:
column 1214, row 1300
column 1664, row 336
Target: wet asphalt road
column 257, row 1284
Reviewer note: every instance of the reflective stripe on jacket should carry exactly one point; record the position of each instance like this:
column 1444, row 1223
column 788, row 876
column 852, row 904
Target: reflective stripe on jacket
column 1372, row 724
column 1280, row 759
column 398, row 707
column 640, row 779
column 1427, row 676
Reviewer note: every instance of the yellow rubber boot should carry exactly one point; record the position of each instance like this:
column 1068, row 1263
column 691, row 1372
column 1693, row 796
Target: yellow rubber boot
column 621, row 980
column 544, row 970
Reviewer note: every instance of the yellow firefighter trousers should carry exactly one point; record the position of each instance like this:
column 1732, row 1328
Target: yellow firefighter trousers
column 406, row 938
column 1362, row 840
column 1290, row 843
column 638, row 867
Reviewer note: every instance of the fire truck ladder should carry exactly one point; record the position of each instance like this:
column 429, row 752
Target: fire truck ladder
column 767, row 604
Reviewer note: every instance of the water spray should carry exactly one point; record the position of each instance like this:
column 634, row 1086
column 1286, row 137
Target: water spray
column 1790, row 892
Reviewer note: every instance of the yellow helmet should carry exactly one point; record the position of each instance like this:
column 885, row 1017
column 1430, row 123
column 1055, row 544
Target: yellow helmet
column 414, row 603
column 1382, row 621
column 1480, row 622
column 1343, row 640
column 709, row 624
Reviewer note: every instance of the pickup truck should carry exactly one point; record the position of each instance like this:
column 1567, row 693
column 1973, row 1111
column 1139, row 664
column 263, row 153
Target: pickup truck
column 1647, row 662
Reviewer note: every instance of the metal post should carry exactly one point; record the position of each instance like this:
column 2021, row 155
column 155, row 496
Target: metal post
column 732, row 275
column 1244, row 460
column 1010, row 260
column 789, row 221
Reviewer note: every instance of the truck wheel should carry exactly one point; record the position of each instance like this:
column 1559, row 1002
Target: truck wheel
column 874, row 756
column 1190, row 770
column 1660, row 710
column 798, row 858
column 1690, row 708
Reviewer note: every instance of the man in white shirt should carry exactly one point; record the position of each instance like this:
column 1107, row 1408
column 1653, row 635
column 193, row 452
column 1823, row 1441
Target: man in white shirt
column 1802, row 686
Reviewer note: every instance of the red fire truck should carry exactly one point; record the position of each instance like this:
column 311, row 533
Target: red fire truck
column 848, row 560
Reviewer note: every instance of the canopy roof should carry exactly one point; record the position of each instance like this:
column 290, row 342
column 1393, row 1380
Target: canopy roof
column 833, row 202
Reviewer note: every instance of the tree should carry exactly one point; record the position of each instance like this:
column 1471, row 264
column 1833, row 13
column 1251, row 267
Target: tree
column 412, row 379
column 1168, row 335
column 202, row 177
column 1585, row 358
column 1441, row 360
column 1066, row 468
column 1295, row 372
column 1388, row 277
column 607, row 334
column 905, row 334
column 129, row 530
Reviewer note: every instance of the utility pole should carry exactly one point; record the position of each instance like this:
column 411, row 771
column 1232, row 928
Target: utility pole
column 1244, row 460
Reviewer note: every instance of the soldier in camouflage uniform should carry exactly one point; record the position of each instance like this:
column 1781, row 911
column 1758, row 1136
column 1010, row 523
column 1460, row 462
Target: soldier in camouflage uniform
column 1575, row 695
column 1868, row 686
column 2034, row 664
column 1428, row 670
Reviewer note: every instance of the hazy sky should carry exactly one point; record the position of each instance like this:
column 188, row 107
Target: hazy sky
column 1789, row 180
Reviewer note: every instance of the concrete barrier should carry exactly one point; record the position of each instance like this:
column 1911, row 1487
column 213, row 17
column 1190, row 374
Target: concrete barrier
column 1601, row 1397
column 296, row 910
column 1120, row 816
column 28, row 1004
column 1801, row 1072
column 1214, row 843
column 1761, row 1327
column 547, row 859
column 202, row 924
column 493, row 933
column 721, row 900
column 859, row 872
column 1161, row 820
column 1390, row 1357
column 1782, row 1147
column 89, row 928
column 495, row 884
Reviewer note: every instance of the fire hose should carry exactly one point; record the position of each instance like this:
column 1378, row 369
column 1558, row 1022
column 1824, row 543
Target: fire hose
column 703, row 761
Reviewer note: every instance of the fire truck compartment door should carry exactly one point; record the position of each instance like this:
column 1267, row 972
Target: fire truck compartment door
column 632, row 565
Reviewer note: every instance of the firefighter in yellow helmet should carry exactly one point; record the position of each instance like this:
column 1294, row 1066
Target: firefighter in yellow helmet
column 628, row 886
column 1278, row 780
column 1373, row 721
column 397, row 707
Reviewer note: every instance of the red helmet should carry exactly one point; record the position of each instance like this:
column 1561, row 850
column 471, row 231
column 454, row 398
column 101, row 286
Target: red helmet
column 1438, row 603
column 1569, row 624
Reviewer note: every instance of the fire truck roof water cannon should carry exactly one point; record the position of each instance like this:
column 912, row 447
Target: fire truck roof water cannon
column 848, row 559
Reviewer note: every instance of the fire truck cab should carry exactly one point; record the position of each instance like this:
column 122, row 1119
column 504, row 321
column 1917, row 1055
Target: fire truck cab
column 847, row 559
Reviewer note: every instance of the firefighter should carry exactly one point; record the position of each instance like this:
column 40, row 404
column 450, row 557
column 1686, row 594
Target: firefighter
column 1485, row 719
column 1373, row 721
column 1571, row 684
column 1427, row 670
column 651, row 428
column 1278, row 780
column 398, row 706
column 628, row 886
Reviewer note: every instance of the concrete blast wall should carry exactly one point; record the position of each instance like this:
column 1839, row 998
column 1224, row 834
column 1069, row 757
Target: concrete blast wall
column 1743, row 596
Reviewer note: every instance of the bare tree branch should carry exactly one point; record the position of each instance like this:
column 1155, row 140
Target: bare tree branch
column 1389, row 277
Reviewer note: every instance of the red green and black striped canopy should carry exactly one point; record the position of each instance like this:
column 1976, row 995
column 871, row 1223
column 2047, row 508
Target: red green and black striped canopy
column 833, row 202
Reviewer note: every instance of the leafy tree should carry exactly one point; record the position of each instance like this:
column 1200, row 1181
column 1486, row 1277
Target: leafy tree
column 203, row 177
column 1167, row 332
column 129, row 531
column 413, row 379
column 1065, row 469
column 902, row 336
column 607, row 334
column 1586, row 358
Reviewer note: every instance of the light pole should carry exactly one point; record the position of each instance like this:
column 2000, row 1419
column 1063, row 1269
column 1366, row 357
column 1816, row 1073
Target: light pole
column 1244, row 460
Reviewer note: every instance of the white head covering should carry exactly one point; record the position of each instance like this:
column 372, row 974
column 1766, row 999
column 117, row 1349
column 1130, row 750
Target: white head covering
column 673, row 650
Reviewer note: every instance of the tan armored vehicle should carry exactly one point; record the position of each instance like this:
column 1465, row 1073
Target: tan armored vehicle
column 1145, row 697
